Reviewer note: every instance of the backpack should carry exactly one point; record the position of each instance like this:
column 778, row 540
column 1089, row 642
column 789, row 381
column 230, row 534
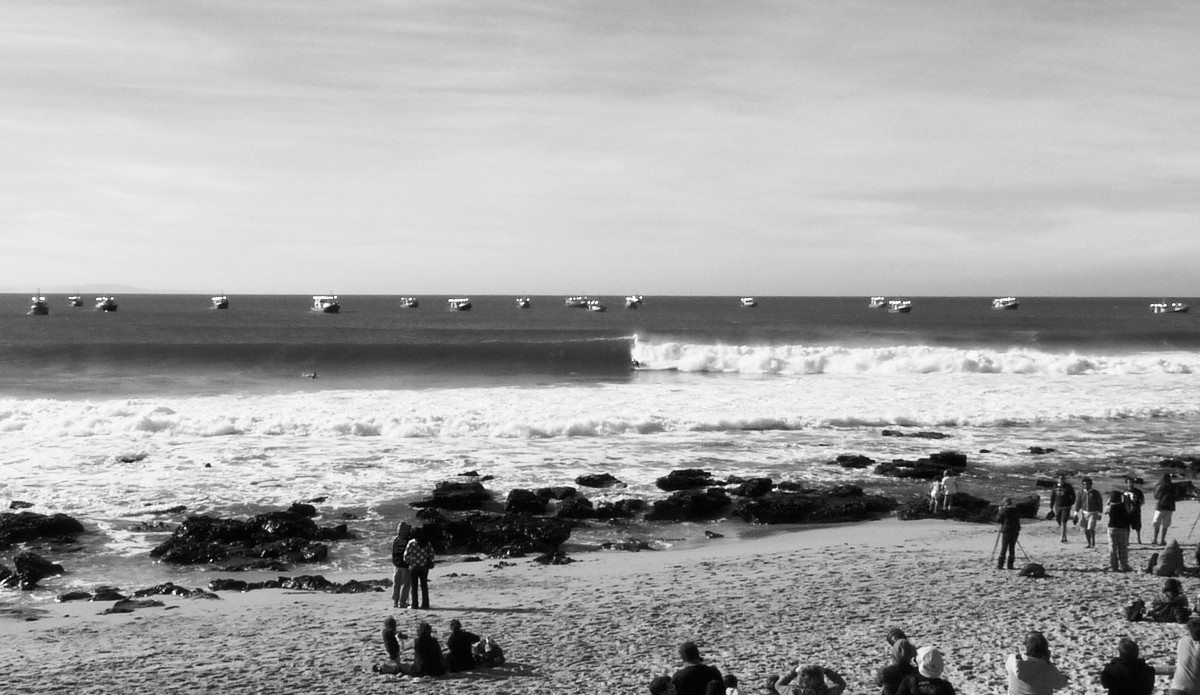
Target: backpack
column 1135, row 610
column 1034, row 570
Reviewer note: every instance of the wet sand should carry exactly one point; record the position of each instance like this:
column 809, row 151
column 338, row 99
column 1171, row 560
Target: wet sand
column 611, row 621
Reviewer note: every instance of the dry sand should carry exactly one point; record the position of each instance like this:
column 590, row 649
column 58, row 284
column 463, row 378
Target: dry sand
column 611, row 621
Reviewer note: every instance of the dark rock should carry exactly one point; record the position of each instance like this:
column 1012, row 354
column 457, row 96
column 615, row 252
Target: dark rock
column 497, row 535
column 620, row 509
column 29, row 569
column 916, row 435
column 301, row 583
column 302, row 509
column 794, row 486
column 632, row 545
column 5, row 573
column 577, row 507
column 1039, row 451
column 108, row 593
column 131, row 458
column 178, row 509
column 521, row 501
column 18, row 504
column 316, row 500
column 844, row 503
column 967, row 507
column 456, row 495
column 560, row 492
column 854, row 461
column 341, row 532
column 130, row 605
column 755, row 487
column 689, row 505
column 598, row 480
column 713, row 534
column 164, row 589
column 227, row 585
column 257, row 565
column 555, row 558
column 26, row 526
column 280, row 534
column 685, row 479
column 73, row 596
column 928, row 468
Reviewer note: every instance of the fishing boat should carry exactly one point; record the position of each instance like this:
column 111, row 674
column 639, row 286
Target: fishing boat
column 459, row 303
column 595, row 305
column 1005, row 303
column 106, row 303
column 633, row 301
column 899, row 306
column 326, row 304
column 74, row 300
column 749, row 301
column 578, row 301
column 877, row 303
column 409, row 302
column 220, row 302
column 1172, row 308
column 523, row 302
column 38, row 306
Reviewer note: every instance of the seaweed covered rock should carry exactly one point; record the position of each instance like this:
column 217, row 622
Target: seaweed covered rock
column 31, row 568
column 500, row 535
column 754, row 487
column 928, row 468
column 522, row 501
column 278, row 535
column 685, row 479
column 967, row 507
column 456, row 495
column 27, row 526
column 841, row 503
column 690, row 505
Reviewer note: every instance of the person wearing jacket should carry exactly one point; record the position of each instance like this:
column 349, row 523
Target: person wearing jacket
column 1061, row 500
column 1088, row 507
column 1010, row 528
column 1164, row 508
column 1118, row 532
column 402, row 580
column 419, row 556
column 1127, row 674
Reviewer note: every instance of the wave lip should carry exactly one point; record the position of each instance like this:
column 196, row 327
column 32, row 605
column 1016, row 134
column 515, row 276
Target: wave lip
column 902, row 359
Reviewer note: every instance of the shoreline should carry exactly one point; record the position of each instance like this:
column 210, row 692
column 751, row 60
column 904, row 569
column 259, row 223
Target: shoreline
column 611, row 620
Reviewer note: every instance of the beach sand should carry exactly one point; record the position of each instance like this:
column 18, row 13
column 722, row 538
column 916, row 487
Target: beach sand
column 611, row 621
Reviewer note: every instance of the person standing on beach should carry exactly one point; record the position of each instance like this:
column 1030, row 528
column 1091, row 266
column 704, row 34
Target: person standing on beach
column 403, row 579
column 937, row 494
column 1164, row 508
column 693, row 678
column 1128, row 674
column 949, row 489
column 1135, row 498
column 1118, row 532
column 1061, row 500
column 1088, row 508
column 1010, row 528
column 419, row 556
column 1033, row 674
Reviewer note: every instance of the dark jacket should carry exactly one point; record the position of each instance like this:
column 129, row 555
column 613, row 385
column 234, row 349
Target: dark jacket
column 693, row 679
column 458, row 650
column 1118, row 514
column 1062, row 496
column 399, row 543
column 1010, row 521
column 890, row 676
column 427, row 657
column 1165, row 494
column 916, row 684
column 1122, row 677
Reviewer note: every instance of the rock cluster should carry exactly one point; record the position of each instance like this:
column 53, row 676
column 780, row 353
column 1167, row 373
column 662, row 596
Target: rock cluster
column 282, row 535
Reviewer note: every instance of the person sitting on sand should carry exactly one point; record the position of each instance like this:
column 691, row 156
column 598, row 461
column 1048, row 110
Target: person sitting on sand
column 419, row 556
column 1171, row 604
column 1087, row 509
column 889, row 677
column 1033, row 674
column 1127, row 674
column 809, row 680
column 1164, row 508
column 928, row 678
column 391, row 644
column 662, row 685
column 427, row 654
column 694, row 677
column 487, row 653
column 1062, row 497
column 459, row 643
column 1186, row 678
column 403, row 580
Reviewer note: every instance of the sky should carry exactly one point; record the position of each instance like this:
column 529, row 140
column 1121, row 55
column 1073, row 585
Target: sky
column 789, row 147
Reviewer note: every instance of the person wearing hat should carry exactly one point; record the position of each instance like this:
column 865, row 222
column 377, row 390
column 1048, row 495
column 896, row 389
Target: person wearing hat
column 928, row 678
column 1164, row 493
column 403, row 579
column 1033, row 674
column 1088, row 508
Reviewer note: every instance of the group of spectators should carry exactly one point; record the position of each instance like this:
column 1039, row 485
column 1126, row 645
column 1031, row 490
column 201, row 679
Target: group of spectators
column 914, row 671
column 464, row 651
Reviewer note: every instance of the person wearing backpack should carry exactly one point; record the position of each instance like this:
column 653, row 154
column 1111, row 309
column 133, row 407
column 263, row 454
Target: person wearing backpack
column 1062, row 498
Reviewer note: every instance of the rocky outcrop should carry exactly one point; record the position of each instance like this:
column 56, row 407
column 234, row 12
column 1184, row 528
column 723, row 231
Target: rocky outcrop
column 522, row 501
column 686, row 479
column 841, row 503
column 30, row 568
column 282, row 535
column 456, row 495
column 598, row 480
column 854, row 461
column 690, row 505
column 967, row 507
column 915, row 435
column 928, row 468
column 303, row 583
column 24, row 526
column 754, row 487
column 498, row 535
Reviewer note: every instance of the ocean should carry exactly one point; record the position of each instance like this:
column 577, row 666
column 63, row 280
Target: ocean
column 165, row 402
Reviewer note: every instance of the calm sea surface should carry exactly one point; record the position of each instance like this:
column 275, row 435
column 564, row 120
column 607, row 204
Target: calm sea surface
column 211, row 410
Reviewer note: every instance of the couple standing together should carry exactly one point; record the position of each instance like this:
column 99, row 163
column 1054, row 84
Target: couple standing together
column 412, row 555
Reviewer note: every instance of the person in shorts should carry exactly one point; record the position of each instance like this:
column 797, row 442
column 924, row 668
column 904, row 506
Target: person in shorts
column 1062, row 498
column 1134, row 498
column 1164, row 508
